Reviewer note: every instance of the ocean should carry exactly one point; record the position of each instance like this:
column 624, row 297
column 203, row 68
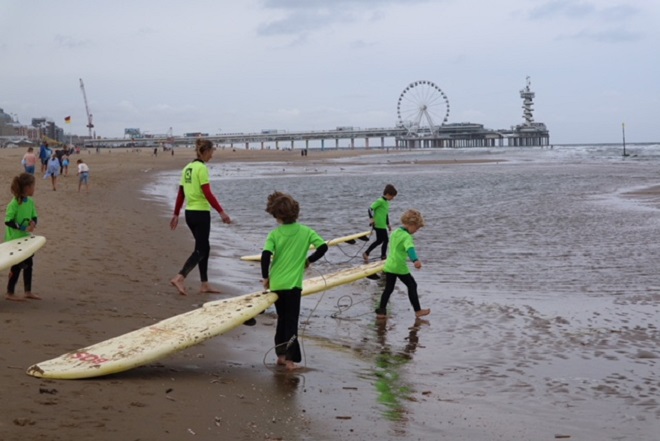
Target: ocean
column 541, row 273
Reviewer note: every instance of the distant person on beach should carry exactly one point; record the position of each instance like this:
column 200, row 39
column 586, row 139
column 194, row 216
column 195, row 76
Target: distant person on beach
column 44, row 155
column 60, row 154
column 65, row 165
column 396, row 266
column 53, row 170
column 195, row 188
column 29, row 161
column 379, row 219
column 287, row 246
column 20, row 221
column 83, row 175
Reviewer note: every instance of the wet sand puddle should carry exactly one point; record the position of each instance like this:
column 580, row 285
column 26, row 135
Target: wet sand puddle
column 542, row 281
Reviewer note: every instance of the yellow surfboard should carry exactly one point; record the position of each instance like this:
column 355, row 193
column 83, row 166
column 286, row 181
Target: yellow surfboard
column 17, row 250
column 337, row 241
column 174, row 334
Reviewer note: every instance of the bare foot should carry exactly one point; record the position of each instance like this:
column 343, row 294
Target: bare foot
column 290, row 365
column 281, row 361
column 365, row 257
column 31, row 295
column 208, row 289
column 13, row 298
column 177, row 282
column 422, row 312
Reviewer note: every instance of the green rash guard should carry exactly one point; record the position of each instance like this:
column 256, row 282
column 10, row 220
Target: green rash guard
column 381, row 210
column 289, row 244
column 20, row 214
column 401, row 245
column 193, row 177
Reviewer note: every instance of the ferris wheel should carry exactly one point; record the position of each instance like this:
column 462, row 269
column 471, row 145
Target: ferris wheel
column 422, row 107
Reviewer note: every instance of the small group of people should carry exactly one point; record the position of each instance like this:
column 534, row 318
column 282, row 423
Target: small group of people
column 54, row 164
column 285, row 254
column 21, row 213
column 55, row 167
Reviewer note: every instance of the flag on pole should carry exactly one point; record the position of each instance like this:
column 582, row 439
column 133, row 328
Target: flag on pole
column 67, row 120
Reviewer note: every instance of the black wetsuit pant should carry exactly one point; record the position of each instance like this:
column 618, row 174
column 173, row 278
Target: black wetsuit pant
column 286, row 333
column 15, row 272
column 390, row 281
column 381, row 238
column 199, row 223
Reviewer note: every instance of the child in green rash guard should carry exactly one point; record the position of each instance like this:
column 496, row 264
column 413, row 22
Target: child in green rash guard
column 20, row 221
column 287, row 246
column 379, row 218
column 396, row 266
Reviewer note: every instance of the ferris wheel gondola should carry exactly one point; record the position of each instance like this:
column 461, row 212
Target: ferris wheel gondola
column 422, row 108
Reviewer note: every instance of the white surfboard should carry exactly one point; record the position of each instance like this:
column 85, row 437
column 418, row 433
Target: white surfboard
column 333, row 242
column 176, row 333
column 17, row 250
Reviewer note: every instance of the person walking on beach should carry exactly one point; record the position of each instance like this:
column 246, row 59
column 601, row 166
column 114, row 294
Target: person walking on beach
column 195, row 188
column 29, row 161
column 83, row 175
column 53, row 170
column 65, row 165
column 396, row 266
column 20, row 221
column 44, row 155
column 379, row 218
column 287, row 246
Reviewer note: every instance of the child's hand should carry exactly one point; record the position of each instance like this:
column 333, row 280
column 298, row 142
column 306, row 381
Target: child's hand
column 266, row 283
column 418, row 264
column 32, row 226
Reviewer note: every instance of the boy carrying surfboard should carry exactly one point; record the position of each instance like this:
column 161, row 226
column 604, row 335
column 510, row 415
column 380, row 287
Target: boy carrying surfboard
column 287, row 246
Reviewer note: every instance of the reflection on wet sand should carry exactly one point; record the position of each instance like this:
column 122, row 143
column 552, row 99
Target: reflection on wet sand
column 392, row 387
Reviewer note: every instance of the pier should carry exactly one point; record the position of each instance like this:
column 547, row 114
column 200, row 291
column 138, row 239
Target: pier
column 422, row 122
column 420, row 106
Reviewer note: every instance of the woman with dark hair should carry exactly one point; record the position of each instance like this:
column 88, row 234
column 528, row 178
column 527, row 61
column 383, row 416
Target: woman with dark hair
column 195, row 188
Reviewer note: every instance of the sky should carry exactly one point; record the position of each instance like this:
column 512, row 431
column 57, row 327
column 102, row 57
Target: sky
column 221, row 66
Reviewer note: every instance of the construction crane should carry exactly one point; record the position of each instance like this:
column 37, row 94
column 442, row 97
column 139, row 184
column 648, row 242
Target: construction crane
column 90, row 124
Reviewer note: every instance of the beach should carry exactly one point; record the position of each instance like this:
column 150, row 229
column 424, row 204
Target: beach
column 105, row 271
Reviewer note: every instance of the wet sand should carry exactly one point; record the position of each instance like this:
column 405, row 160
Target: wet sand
column 105, row 271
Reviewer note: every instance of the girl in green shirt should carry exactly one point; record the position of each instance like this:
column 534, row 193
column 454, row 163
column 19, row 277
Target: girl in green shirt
column 20, row 221
column 195, row 189
column 396, row 267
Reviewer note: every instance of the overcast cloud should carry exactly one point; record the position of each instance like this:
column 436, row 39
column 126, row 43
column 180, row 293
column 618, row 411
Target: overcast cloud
column 244, row 66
